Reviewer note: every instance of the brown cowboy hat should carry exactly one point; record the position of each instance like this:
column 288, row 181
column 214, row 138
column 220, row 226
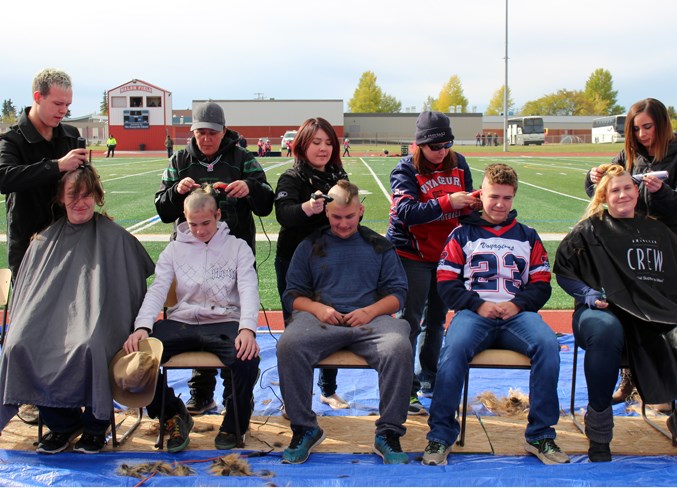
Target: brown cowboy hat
column 133, row 376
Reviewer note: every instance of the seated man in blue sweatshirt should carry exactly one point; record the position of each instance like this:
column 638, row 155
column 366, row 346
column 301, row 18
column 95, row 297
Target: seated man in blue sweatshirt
column 494, row 273
column 343, row 284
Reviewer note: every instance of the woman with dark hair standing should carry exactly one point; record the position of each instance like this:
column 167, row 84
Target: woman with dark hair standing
column 429, row 190
column 650, row 145
column 300, row 210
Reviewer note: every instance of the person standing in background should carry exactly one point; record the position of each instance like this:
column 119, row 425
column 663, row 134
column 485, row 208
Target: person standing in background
column 111, row 143
column 300, row 210
column 169, row 144
column 430, row 188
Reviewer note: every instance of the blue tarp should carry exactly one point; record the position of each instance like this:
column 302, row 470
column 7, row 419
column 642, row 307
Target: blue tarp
column 358, row 388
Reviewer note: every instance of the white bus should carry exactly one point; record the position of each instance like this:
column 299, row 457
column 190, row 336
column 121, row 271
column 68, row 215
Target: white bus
column 523, row 131
column 608, row 129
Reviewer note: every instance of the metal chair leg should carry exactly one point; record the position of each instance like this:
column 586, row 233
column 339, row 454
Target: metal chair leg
column 461, row 441
column 572, row 406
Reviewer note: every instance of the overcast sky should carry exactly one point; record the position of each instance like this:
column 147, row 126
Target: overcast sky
column 305, row 49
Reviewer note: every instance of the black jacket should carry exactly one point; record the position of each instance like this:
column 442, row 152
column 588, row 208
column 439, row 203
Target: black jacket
column 293, row 188
column 635, row 262
column 661, row 205
column 230, row 163
column 29, row 176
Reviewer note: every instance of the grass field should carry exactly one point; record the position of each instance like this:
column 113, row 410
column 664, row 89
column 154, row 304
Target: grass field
column 550, row 198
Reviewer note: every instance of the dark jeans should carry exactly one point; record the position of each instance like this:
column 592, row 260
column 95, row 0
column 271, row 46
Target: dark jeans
column 66, row 420
column 327, row 377
column 600, row 333
column 111, row 152
column 219, row 339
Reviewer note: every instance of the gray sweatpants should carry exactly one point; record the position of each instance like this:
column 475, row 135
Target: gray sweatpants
column 384, row 344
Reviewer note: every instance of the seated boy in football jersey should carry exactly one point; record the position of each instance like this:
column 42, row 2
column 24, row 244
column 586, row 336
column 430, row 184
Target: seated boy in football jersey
column 494, row 273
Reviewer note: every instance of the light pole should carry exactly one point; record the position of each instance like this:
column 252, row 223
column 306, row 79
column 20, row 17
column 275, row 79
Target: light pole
column 505, row 85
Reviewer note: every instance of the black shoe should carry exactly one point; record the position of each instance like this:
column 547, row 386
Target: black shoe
column 599, row 452
column 90, row 443
column 198, row 406
column 177, row 429
column 54, row 442
column 226, row 441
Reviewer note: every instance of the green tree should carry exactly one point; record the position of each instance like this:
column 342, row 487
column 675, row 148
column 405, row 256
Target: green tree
column 103, row 108
column 369, row 97
column 390, row 105
column 9, row 115
column 562, row 102
column 672, row 113
column 495, row 106
column 451, row 95
column 599, row 90
column 428, row 104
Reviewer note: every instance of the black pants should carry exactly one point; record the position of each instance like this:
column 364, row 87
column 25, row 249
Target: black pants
column 67, row 420
column 219, row 339
column 111, row 151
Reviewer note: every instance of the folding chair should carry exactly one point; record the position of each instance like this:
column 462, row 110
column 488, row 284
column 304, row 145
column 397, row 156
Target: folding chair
column 191, row 360
column 490, row 359
column 572, row 406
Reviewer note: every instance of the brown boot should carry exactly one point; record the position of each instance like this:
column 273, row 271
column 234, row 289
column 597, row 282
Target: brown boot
column 625, row 388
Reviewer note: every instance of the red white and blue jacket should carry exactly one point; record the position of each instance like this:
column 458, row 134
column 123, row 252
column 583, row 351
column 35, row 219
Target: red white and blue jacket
column 421, row 215
column 483, row 262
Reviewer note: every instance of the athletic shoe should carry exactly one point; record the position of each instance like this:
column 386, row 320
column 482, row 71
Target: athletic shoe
column 426, row 390
column 226, row 440
column 334, row 401
column 198, row 406
column 90, row 443
column 302, row 443
column 178, row 429
column 435, row 454
column 416, row 408
column 387, row 445
column 54, row 442
column 547, row 451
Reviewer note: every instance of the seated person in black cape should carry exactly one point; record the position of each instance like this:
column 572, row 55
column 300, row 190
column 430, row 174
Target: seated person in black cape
column 622, row 270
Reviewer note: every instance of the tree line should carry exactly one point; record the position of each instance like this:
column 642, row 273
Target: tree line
column 598, row 97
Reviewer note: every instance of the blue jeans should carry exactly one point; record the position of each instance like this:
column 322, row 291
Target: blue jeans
column 600, row 333
column 470, row 334
column 422, row 296
column 327, row 377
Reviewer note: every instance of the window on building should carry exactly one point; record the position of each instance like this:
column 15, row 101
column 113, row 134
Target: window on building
column 136, row 101
column 118, row 102
column 153, row 102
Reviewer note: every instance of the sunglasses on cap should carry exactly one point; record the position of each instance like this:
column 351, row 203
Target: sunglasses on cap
column 439, row 147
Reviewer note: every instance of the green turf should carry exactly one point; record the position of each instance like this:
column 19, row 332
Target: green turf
column 550, row 198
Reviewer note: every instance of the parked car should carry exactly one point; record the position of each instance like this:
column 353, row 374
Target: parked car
column 288, row 136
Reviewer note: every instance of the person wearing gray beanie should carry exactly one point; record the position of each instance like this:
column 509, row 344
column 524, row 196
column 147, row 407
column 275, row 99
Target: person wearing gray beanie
column 430, row 190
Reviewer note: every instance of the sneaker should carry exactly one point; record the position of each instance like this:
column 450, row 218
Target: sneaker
column 416, row 408
column 90, row 443
column 29, row 414
column 387, row 445
column 547, row 451
column 198, row 406
column 435, row 454
column 178, row 428
column 302, row 443
column 226, row 441
column 54, row 442
column 426, row 390
column 334, row 401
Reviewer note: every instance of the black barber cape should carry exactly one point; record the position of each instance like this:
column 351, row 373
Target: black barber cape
column 77, row 294
column 635, row 261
